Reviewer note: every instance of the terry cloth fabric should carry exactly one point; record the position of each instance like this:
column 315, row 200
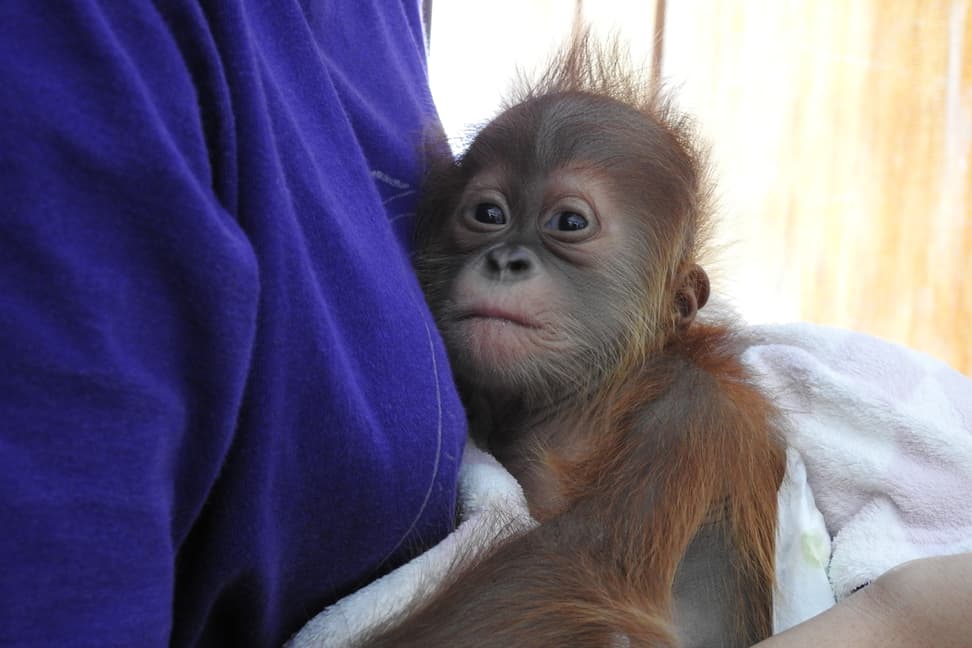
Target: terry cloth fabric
column 886, row 436
column 879, row 471
column 223, row 402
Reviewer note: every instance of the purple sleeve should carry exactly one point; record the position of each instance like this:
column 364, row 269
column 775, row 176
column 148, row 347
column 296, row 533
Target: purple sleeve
column 224, row 404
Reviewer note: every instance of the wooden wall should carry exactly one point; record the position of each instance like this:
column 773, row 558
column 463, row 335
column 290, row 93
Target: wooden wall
column 841, row 133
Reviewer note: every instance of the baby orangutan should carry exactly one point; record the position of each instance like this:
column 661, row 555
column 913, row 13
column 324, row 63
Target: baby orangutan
column 559, row 255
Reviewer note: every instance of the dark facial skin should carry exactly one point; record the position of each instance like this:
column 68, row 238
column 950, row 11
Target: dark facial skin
column 534, row 300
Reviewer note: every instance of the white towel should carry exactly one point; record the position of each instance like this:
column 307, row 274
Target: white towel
column 886, row 436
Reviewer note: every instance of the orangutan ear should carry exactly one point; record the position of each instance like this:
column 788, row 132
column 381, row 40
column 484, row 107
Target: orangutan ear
column 691, row 295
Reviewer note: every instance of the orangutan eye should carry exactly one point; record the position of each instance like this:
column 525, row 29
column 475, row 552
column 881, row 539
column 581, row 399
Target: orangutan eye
column 567, row 221
column 489, row 214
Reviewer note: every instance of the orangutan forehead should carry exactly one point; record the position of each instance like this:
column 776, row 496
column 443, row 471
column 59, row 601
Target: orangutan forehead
column 576, row 130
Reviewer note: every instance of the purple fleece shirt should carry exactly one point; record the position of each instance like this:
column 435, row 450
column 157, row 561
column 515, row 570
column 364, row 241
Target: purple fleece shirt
column 223, row 403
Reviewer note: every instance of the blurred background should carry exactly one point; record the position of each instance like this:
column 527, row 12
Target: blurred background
column 840, row 130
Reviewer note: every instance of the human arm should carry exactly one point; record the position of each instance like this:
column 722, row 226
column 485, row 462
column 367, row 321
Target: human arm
column 925, row 602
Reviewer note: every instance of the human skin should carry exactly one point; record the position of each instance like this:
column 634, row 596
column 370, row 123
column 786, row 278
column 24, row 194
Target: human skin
column 923, row 603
